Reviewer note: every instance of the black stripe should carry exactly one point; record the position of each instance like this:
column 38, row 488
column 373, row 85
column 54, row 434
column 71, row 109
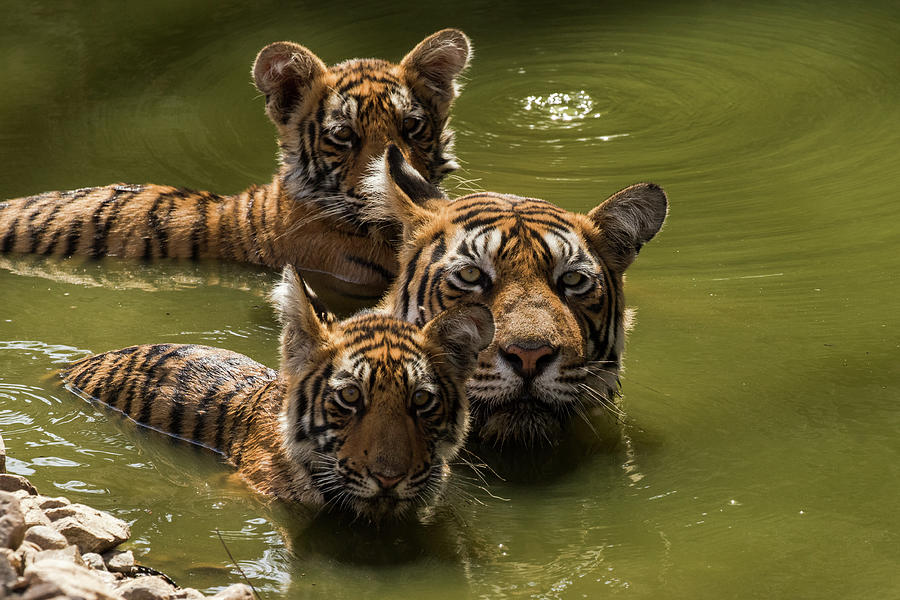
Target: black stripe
column 385, row 274
column 156, row 229
column 9, row 239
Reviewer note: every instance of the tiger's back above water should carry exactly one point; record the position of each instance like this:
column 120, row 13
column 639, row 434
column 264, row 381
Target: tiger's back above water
column 331, row 122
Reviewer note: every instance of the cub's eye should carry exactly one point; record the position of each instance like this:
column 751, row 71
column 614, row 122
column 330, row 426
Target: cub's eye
column 342, row 134
column 470, row 274
column 350, row 396
column 572, row 279
column 413, row 126
column 422, row 399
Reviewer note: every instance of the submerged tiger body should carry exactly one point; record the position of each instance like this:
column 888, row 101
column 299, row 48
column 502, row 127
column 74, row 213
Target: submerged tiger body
column 331, row 122
column 363, row 414
column 553, row 280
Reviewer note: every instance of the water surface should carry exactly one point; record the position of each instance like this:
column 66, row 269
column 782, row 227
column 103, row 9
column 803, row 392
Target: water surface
column 761, row 454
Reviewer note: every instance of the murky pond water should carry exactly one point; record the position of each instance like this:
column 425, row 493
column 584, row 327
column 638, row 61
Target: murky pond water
column 762, row 456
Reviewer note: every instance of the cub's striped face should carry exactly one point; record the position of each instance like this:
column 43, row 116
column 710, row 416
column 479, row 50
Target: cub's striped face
column 553, row 281
column 333, row 121
column 377, row 406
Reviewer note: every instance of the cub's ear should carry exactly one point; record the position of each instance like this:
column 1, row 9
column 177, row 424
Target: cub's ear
column 399, row 193
column 303, row 318
column 438, row 60
column 458, row 334
column 629, row 219
column 285, row 72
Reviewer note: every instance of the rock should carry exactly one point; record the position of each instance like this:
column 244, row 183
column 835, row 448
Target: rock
column 45, row 537
column 50, row 578
column 21, row 494
column 94, row 561
column 11, row 483
column 146, row 588
column 12, row 521
column 88, row 528
column 26, row 553
column 121, row 561
column 46, row 503
column 69, row 554
column 60, row 512
column 237, row 591
column 34, row 515
column 12, row 558
column 8, row 572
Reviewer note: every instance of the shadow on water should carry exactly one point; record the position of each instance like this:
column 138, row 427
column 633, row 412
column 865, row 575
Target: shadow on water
column 544, row 464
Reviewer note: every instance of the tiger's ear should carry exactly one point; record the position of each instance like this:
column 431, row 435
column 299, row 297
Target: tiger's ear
column 438, row 60
column 458, row 334
column 627, row 220
column 285, row 72
column 303, row 319
column 399, row 193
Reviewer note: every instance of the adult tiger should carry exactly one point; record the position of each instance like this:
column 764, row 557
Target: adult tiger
column 331, row 122
column 552, row 278
column 365, row 413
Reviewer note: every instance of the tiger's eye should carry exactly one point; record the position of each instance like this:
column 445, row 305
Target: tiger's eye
column 470, row 274
column 572, row 278
column 421, row 399
column 350, row 395
column 412, row 125
column 342, row 134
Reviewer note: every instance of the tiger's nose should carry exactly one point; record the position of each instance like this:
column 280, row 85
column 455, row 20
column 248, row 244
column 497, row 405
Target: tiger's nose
column 387, row 481
column 528, row 359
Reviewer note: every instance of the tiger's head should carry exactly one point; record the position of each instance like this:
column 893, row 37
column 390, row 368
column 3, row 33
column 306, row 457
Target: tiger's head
column 332, row 121
column 376, row 406
column 552, row 279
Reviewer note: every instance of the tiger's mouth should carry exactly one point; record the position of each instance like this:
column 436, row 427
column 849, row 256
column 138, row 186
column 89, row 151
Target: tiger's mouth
column 525, row 420
column 385, row 504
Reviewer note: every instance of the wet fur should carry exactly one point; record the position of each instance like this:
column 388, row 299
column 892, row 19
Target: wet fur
column 309, row 215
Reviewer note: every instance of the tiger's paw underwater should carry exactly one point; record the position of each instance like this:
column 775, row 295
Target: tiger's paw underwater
column 363, row 416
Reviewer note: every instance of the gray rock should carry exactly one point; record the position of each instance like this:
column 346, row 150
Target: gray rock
column 45, row 537
column 69, row 553
column 12, row 521
column 89, row 529
column 46, row 503
column 121, row 561
column 146, row 588
column 237, row 591
column 50, row 578
column 11, row 483
column 94, row 561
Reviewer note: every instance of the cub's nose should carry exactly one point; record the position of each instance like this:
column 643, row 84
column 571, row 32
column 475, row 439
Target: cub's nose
column 528, row 359
column 386, row 481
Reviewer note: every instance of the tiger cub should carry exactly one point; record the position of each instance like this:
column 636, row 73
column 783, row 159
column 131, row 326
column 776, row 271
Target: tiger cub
column 364, row 414
column 553, row 279
column 331, row 122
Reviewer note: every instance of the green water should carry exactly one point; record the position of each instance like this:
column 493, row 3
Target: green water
column 761, row 457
